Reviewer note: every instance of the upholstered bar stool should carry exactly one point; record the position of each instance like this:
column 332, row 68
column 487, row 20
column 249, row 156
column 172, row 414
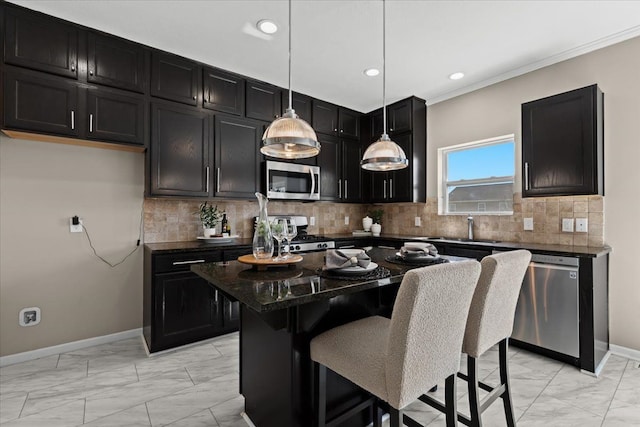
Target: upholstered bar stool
column 490, row 322
column 398, row 359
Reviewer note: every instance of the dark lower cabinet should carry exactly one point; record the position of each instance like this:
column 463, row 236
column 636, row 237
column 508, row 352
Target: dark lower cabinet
column 180, row 151
column 562, row 144
column 180, row 307
column 114, row 116
column 40, row 103
column 41, row 43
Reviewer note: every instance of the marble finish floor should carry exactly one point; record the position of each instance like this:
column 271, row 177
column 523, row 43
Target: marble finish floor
column 118, row 385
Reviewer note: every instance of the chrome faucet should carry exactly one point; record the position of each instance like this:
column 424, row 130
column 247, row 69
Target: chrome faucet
column 470, row 224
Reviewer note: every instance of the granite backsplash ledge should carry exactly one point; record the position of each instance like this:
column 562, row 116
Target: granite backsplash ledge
column 168, row 220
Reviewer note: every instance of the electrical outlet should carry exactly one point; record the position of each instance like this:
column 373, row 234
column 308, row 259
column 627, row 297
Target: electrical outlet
column 417, row 221
column 312, row 221
column 567, row 225
column 528, row 224
column 75, row 224
column 582, row 225
column 29, row 316
column 346, row 220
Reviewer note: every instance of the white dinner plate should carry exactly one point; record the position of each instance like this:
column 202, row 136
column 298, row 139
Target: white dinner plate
column 356, row 269
column 217, row 239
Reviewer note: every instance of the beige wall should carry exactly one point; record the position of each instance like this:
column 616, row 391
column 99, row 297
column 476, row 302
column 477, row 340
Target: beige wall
column 42, row 264
column 495, row 111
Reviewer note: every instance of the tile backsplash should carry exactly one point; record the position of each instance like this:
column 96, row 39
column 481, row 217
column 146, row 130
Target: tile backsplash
column 167, row 220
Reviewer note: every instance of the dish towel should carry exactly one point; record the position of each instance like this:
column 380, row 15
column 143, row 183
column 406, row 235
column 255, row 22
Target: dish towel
column 336, row 259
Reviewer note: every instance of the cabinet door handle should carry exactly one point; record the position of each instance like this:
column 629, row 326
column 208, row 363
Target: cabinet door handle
column 526, row 175
column 215, row 295
column 195, row 97
column 346, row 186
column 335, row 129
column 390, row 188
column 218, row 180
column 207, row 186
column 73, row 119
column 91, row 72
column 195, row 261
column 90, row 122
column 73, row 67
column 384, row 193
column 339, row 189
column 341, row 130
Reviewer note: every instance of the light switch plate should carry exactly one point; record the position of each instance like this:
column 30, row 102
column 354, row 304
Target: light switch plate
column 582, row 225
column 528, row 224
column 346, row 220
column 567, row 225
column 312, row 221
column 417, row 221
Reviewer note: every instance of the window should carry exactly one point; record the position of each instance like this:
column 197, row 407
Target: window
column 477, row 177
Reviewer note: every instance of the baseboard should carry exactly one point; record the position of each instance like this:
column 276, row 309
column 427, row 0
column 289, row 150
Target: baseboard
column 624, row 351
column 70, row 346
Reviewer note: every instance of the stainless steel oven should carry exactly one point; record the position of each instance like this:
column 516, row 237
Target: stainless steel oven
column 292, row 181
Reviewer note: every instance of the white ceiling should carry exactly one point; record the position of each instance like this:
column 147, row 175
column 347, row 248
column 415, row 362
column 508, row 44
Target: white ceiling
column 334, row 41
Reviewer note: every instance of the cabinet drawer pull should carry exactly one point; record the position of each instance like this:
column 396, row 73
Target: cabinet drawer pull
column 526, row 175
column 90, row 122
column 195, row 261
column 73, row 119
column 207, row 186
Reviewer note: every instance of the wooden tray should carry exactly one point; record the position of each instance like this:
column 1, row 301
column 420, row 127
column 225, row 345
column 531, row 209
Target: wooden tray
column 263, row 264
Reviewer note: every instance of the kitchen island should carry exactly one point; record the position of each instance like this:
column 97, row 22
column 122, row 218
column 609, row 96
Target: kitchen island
column 282, row 309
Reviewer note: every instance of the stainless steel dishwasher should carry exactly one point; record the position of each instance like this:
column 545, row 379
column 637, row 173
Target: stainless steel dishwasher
column 547, row 314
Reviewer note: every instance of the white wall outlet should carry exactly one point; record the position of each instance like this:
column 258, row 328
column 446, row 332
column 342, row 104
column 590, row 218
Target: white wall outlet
column 75, row 228
column 528, row 224
column 417, row 221
column 582, row 225
column 29, row 316
column 312, row 220
column 346, row 220
column 567, row 225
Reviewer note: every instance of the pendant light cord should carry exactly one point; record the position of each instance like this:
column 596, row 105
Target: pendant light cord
column 290, row 97
column 384, row 69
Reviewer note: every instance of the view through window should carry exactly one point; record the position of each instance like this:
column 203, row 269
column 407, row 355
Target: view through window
column 477, row 177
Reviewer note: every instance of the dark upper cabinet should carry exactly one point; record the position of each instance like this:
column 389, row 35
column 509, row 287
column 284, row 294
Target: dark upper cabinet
column 174, row 78
column 340, row 172
column 40, row 103
column 180, row 151
column 116, row 62
column 115, row 116
column 408, row 184
column 351, row 171
column 237, row 168
column 348, row 123
column 263, row 101
column 223, row 91
column 325, row 117
column 329, row 160
column 562, row 144
column 300, row 103
column 41, row 43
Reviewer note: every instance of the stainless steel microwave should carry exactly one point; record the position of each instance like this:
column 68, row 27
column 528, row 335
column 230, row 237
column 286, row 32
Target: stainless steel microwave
column 292, row 181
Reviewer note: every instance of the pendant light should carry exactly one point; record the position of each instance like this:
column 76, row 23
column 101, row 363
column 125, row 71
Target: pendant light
column 384, row 154
column 290, row 137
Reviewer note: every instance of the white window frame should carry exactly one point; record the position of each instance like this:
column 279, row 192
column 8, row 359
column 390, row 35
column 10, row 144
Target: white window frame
column 443, row 184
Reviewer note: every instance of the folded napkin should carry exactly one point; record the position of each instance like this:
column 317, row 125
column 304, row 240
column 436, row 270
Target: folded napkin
column 336, row 259
column 413, row 251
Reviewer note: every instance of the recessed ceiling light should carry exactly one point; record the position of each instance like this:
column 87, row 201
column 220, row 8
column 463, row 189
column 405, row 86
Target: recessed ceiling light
column 267, row 26
column 456, row 76
column 371, row 72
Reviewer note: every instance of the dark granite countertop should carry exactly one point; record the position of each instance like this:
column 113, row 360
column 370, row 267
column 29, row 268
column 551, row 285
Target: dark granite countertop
column 283, row 287
column 584, row 251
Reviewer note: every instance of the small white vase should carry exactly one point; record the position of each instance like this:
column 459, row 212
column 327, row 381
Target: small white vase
column 366, row 223
column 375, row 229
column 209, row 232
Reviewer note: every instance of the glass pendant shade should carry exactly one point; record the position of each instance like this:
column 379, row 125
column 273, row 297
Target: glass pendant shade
column 290, row 137
column 384, row 155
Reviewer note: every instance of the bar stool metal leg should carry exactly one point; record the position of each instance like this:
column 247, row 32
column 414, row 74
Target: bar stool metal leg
column 320, row 393
column 474, row 392
column 503, row 350
column 395, row 417
column 451, row 409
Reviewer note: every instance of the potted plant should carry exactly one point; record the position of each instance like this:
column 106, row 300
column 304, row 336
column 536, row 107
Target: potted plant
column 376, row 216
column 210, row 217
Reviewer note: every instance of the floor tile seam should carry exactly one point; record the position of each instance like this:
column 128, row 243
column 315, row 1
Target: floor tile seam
column 614, row 393
column 190, row 378
column 182, row 364
column 26, row 397
column 148, row 415
column 214, row 417
column 84, row 410
column 539, row 394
